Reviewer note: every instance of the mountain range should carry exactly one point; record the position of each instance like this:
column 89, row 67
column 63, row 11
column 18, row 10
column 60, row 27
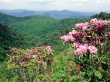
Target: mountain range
column 54, row 14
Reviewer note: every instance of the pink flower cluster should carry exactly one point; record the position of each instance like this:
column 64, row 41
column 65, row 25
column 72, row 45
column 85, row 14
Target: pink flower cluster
column 99, row 22
column 93, row 49
column 83, row 49
column 71, row 36
column 38, row 50
column 82, row 26
column 41, row 61
column 38, row 53
column 49, row 48
column 14, row 48
column 88, row 36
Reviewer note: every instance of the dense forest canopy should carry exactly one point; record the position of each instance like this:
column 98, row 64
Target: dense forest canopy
column 102, row 15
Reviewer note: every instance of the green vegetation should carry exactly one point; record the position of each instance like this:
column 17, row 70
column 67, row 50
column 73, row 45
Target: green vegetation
column 102, row 15
column 9, row 38
column 34, row 31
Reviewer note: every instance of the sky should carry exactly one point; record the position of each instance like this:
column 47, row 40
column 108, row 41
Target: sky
column 74, row 5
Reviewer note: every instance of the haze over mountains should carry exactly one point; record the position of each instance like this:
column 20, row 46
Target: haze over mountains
column 54, row 14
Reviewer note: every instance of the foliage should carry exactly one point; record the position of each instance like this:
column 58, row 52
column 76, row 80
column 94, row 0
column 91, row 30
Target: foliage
column 91, row 44
column 9, row 38
column 102, row 15
column 31, row 65
column 6, row 75
column 7, row 19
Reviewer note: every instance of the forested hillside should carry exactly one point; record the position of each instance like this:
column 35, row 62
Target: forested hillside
column 39, row 30
column 9, row 38
column 7, row 19
column 102, row 15
column 54, row 13
column 40, row 24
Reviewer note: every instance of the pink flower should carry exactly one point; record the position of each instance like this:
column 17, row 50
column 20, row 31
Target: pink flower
column 14, row 48
column 24, row 62
column 81, row 24
column 78, row 25
column 71, row 38
column 82, row 49
column 84, row 28
column 33, row 50
column 99, row 23
column 93, row 21
column 74, row 32
column 103, row 23
column 86, row 24
column 70, row 33
column 102, row 44
column 93, row 49
column 78, row 35
column 78, row 51
column 108, row 21
column 65, row 38
column 49, row 48
column 85, row 35
column 28, row 55
column 34, row 56
column 41, row 61
column 76, row 44
column 107, row 34
column 96, row 29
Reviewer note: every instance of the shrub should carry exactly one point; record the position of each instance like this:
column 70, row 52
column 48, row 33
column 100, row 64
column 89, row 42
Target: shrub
column 31, row 64
column 91, row 44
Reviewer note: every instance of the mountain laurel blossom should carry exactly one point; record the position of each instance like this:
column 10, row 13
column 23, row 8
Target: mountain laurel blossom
column 41, row 61
column 34, row 56
column 93, row 49
column 49, row 48
column 86, row 37
column 24, row 62
column 14, row 48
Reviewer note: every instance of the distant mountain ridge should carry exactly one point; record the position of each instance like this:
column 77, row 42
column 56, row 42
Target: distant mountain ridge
column 36, row 25
column 54, row 14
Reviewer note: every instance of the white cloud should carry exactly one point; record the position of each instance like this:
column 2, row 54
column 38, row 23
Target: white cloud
column 5, row 0
column 80, row 5
column 102, row 1
column 79, row 1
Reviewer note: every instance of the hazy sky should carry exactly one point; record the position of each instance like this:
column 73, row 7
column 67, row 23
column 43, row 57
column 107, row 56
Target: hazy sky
column 75, row 5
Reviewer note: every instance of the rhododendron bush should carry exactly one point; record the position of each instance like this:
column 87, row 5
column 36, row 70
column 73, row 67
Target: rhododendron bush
column 88, row 37
column 31, row 64
column 91, row 44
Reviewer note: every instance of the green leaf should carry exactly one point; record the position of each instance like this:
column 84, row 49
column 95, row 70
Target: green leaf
column 83, row 73
column 98, row 74
column 73, row 78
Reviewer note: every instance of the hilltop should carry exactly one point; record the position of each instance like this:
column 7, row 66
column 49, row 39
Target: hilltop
column 54, row 14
